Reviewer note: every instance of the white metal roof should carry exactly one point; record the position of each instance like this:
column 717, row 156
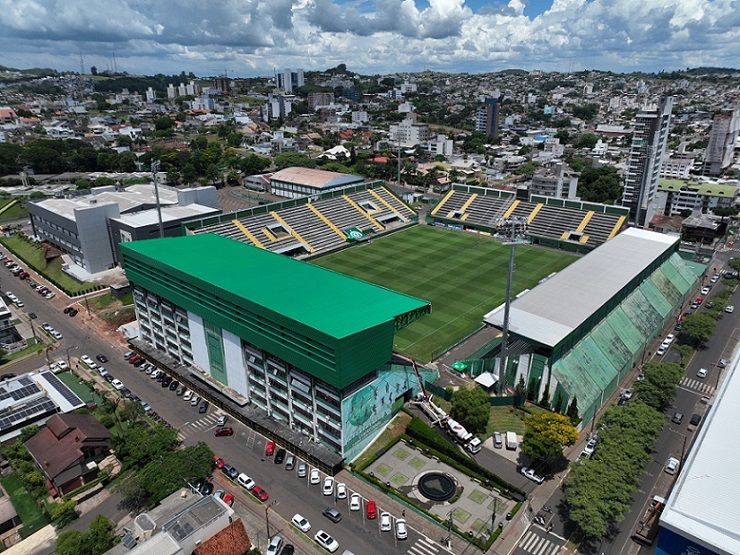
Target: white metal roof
column 703, row 506
column 553, row 309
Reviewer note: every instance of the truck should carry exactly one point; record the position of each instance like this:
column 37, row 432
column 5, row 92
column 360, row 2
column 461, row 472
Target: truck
column 648, row 526
column 511, row 441
column 463, row 436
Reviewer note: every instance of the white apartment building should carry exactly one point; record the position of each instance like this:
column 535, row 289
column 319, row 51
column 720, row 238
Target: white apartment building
column 409, row 133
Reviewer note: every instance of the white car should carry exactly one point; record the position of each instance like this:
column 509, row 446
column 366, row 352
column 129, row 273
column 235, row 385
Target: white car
column 530, row 473
column 301, row 523
column 401, row 531
column 328, row 488
column 590, row 446
column 118, row 384
column 385, row 522
column 326, row 541
column 222, row 420
column 341, row 490
column 702, row 373
column 669, row 338
column 671, row 466
column 729, row 309
column 62, row 364
column 275, row 544
column 314, row 477
column 715, row 278
column 188, row 395
column 705, row 290
column 56, row 334
column 245, row 481
column 355, row 502
column 661, row 350
column 88, row 361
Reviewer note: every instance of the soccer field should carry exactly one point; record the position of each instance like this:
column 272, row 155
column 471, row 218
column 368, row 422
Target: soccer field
column 462, row 274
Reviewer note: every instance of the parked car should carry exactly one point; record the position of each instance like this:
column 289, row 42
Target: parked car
column 188, row 396
column 677, row 417
column 203, row 407
column 230, row 471
column 315, row 477
column 218, row 462
column 701, row 373
column 371, row 510
column 174, row 385
column 531, row 474
column 341, row 490
column 222, row 420
column 118, row 384
column 290, row 462
column 326, row 541
column 270, row 448
column 194, row 401
column 275, row 544
column 300, row 522
column 223, row 431
column 280, row 456
column 245, row 481
column 729, row 309
column 328, row 488
column 401, row 531
column 180, row 392
column 671, row 466
column 355, row 502
column 590, row 446
column 259, row 493
column 385, row 522
column 302, row 469
column 695, row 420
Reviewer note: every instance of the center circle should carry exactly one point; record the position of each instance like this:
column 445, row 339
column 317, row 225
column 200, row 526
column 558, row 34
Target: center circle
column 437, row 486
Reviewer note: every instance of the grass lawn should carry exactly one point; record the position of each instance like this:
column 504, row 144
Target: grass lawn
column 15, row 211
column 33, row 255
column 505, row 419
column 25, row 505
column 462, row 274
column 81, row 389
column 393, row 430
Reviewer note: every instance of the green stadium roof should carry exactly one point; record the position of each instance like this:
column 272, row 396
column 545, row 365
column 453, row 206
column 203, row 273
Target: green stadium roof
column 327, row 301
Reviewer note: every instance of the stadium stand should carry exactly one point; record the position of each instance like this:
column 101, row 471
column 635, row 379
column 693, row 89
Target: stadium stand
column 570, row 225
column 302, row 227
column 588, row 325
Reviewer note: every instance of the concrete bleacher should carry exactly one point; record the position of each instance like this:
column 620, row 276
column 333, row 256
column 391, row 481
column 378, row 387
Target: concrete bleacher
column 600, row 227
column 556, row 222
column 316, row 226
column 487, row 211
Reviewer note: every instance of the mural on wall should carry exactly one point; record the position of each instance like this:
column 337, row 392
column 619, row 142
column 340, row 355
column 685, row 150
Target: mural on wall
column 369, row 408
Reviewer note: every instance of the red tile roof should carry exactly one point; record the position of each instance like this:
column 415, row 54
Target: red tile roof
column 232, row 540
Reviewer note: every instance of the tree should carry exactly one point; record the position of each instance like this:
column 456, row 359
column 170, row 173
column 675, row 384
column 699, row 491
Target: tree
column 658, row 387
column 572, row 412
column 94, row 70
column 697, row 328
column 734, row 263
column 471, row 408
column 290, row 159
column 546, row 434
column 98, row 539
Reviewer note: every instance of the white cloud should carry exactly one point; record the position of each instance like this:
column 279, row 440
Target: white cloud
column 253, row 36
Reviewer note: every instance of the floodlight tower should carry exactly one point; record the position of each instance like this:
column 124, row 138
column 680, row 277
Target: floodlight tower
column 516, row 228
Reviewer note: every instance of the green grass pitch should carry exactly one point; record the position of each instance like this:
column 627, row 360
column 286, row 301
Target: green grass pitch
column 462, row 274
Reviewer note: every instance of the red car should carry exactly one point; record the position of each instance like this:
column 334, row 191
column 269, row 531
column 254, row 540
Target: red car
column 224, row 431
column 270, row 448
column 372, row 510
column 134, row 359
column 218, row 462
column 229, row 499
column 259, row 493
column 699, row 300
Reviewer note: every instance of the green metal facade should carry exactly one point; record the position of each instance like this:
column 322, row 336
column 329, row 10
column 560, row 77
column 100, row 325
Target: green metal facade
column 335, row 327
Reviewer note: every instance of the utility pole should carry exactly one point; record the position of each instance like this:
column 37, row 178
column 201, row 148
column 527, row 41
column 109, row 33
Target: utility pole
column 155, row 169
column 493, row 514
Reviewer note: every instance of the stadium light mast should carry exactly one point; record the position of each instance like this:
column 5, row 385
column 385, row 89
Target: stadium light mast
column 515, row 225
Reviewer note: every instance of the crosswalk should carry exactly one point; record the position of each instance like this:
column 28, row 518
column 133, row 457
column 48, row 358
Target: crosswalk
column 205, row 423
column 423, row 546
column 697, row 385
column 537, row 545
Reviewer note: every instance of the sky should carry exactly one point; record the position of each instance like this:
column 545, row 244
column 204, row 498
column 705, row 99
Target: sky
column 245, row 38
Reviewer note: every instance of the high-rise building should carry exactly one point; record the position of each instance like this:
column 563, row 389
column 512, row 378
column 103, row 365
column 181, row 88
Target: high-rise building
column 646, row 155
column 486, row 118
column 725, row 130
column 288, row 80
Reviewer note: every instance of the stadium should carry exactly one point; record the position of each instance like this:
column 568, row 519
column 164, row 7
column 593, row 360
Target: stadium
column 293, row 313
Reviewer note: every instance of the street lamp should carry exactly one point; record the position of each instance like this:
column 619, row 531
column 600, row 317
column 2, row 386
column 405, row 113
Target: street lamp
column 516, row 226
column 155, row 169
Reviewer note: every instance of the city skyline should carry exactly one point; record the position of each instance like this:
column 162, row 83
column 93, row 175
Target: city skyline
column 384, row 36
